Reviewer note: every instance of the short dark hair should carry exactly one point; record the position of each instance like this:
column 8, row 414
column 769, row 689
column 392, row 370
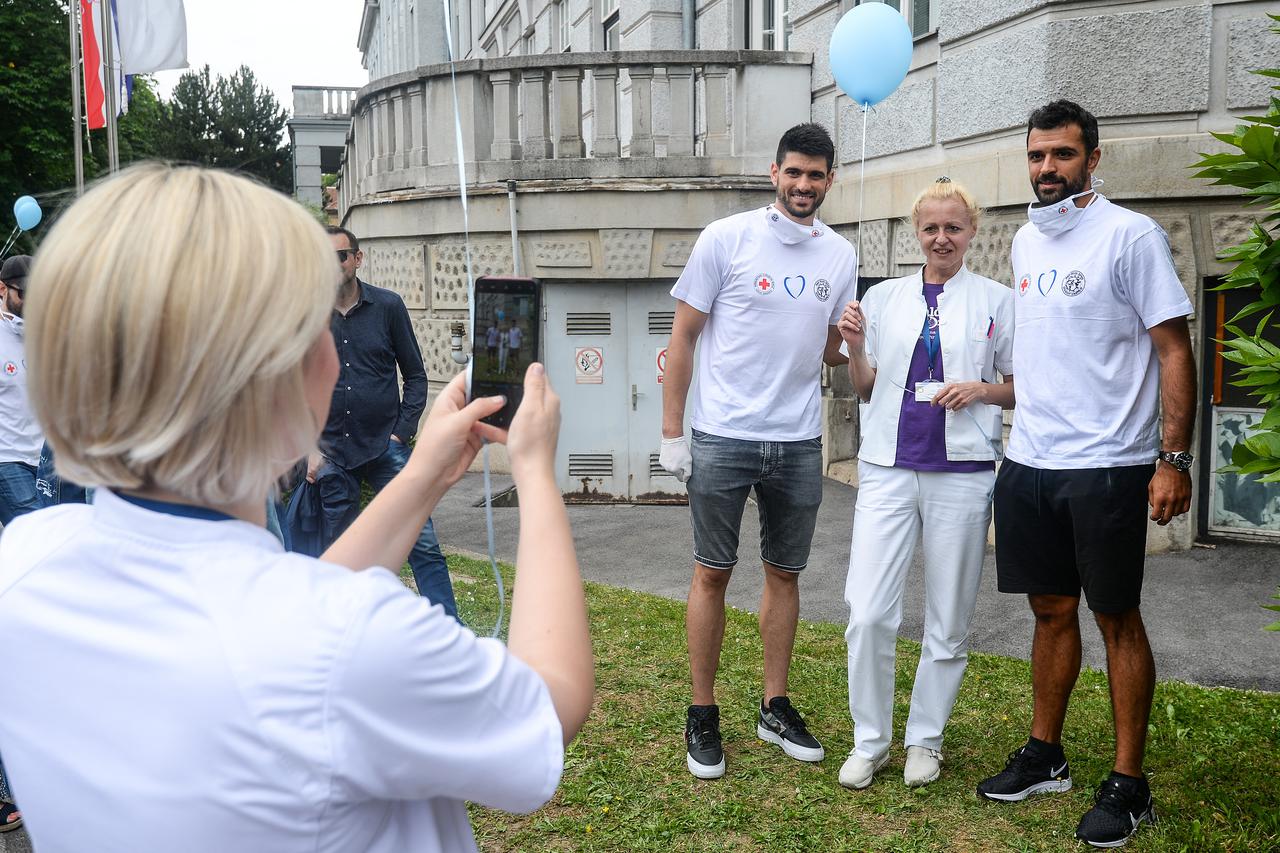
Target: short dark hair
column 1061, row 113
column 809, row 139
column 352, row 240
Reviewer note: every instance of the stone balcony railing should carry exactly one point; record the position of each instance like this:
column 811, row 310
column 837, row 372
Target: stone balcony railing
column 574, row 116
column 323, row 101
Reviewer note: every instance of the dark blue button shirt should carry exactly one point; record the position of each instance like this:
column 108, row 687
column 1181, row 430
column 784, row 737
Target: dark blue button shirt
column 372, row 339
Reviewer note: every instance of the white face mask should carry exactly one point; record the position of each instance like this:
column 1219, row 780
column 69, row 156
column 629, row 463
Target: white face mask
column 787, row 230
column 1058, row 218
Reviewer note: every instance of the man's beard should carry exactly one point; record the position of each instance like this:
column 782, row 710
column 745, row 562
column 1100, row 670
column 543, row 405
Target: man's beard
column 10, row 307
column 785, row 201
column 1054, row 193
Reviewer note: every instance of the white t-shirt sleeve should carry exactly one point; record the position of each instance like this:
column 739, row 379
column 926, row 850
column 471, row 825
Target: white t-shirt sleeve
column 1147, row 280
column 703, row 276
column 1003, row 334
column 419, row 707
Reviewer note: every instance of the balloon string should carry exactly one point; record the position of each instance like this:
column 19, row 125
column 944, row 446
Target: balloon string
column 862, row 180
column 13, row 238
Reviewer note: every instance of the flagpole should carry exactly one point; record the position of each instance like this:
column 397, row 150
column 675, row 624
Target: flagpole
column 109, row 78
column 72, row 9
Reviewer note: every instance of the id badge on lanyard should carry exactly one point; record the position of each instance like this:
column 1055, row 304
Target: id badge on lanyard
column 926, row 391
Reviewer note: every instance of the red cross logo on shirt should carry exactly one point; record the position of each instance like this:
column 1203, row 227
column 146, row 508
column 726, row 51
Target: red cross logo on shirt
column 10, row 368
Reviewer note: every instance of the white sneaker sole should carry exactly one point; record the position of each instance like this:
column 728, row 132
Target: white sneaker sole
column 1051, row 787
column 799, row 753
column 917, row 781
column 704, row 771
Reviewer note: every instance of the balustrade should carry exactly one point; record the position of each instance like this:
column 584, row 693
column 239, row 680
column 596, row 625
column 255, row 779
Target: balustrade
column 566, row 116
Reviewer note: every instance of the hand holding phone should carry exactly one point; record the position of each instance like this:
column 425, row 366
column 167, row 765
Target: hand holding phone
column 504, row 340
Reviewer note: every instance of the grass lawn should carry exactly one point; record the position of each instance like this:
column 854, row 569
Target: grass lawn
column 625, row 786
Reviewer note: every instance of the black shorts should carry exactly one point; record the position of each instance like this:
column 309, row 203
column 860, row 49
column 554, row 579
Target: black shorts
column 1060, row 532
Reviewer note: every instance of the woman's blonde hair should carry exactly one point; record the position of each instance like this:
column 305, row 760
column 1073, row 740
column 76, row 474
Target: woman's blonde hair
column 944, row 189
column 169, row 314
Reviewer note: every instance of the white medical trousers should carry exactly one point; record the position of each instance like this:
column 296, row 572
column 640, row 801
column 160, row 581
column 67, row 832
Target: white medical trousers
column 951, row 513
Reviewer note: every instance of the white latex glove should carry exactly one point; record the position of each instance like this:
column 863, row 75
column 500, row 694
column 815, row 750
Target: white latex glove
column 675, row 458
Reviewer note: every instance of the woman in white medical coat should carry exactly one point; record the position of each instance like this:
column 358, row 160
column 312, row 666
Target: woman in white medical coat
column 925, row 352
column 188, row 684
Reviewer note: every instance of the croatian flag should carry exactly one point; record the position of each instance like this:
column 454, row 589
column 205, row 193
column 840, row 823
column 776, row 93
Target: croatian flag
column 152, row 34
column 92, row 29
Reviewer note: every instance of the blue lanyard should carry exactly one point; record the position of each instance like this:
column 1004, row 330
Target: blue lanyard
column 932, row 342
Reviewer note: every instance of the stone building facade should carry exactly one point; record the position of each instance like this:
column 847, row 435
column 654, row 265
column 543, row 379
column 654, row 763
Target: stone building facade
column 623, row 143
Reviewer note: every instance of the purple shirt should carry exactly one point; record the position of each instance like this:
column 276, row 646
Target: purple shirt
column 922, row 437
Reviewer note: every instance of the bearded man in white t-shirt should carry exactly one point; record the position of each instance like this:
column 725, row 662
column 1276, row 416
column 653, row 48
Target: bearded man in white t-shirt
column 1101, row 345
column 763, row 290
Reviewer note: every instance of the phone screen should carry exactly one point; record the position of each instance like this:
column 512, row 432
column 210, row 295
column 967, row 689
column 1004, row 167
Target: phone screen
column 504, row 341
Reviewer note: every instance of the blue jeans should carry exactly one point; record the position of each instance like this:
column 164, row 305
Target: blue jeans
column 51, row 488
column 17, row 490
column 340, row 497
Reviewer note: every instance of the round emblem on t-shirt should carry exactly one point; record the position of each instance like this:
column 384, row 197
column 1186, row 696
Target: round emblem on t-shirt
column 764, row 284
column 1062, row 211
column 1073, row 284
column 1024, row 285
column 816, row 232
column 10, row 368
column 773, row 216
column 822, row 289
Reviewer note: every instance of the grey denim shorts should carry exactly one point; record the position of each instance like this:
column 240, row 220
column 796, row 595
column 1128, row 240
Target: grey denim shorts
column 787, row 478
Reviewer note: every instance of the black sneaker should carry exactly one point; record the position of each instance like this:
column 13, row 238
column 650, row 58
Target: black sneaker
column 1120, row 806
column 702, row 738
column 781, row 724
column 1027, row 772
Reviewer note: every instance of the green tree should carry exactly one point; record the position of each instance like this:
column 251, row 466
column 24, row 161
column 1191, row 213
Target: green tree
column 1255, row 169
column 229, row 123
column 35, row 102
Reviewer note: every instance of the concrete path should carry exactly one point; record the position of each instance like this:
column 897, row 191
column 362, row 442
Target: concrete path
column 1201, row 606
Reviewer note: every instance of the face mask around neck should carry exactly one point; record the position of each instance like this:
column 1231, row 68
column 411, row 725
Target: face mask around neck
column 1058, row 218
column 787, row 230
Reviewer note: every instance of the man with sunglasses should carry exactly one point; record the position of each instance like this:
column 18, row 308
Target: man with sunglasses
column 366, row 438
column 20, row 436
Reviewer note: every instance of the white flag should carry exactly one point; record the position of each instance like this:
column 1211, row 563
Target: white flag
column 153, row 35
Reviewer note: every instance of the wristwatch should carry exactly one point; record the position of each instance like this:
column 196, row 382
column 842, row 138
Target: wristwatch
column 1180, row 459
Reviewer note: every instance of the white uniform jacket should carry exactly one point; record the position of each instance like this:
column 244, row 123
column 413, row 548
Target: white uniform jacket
column 976, row 330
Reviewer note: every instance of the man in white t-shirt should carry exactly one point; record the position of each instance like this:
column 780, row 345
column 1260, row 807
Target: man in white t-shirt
column 763, row 290
column 514, row 338
column 1101, row 346
column 20, row 436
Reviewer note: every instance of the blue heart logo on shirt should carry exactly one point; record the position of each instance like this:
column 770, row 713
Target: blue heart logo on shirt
column 1042, row 287
column 786, row 285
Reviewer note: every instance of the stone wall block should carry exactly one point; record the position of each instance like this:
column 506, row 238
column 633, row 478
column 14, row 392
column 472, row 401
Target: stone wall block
column 902, row 122
column 1144, row 74
column 562, row 253
column 960, row 18
column 1008, row 69
column 906, row 248
column 433, row 338
column 876, row 248
column 1229, row 229
column 398, row 265
column 626, row 252
column 800, row 9
column 1178, row 227
column 448, row 268
column 673, row 253
column 814, row 36
column 1251, row 45
column 988, row 253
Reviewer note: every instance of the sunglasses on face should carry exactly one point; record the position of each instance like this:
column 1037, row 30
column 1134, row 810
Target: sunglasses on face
column 342, row 255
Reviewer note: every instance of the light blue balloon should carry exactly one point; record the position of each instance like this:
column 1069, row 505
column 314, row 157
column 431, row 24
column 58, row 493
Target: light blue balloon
column 870, row 52
column 28, row 213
